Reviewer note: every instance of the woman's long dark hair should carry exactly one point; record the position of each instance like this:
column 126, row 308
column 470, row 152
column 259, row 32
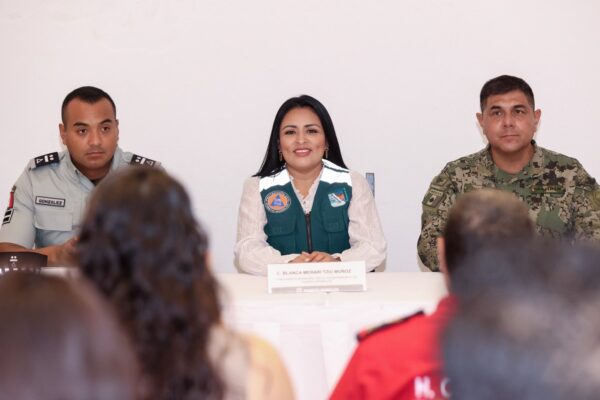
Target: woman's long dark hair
column 142, row 247
column 271, row 163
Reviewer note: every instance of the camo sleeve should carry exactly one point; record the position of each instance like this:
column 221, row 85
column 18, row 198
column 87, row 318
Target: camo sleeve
column 586, row 204
column 437, row 202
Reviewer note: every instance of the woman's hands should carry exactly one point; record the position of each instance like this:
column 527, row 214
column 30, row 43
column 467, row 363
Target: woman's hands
column 315, row 256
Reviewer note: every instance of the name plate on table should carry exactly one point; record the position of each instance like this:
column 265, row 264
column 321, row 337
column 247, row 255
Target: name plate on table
column 317, row 277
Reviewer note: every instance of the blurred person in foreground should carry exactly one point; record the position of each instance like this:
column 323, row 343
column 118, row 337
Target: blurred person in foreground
column 141, row 246
column 402, row 360
column 59, row 341
column 536, row 335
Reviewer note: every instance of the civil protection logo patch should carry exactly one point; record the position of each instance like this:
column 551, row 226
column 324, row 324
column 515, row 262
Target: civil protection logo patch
column 338, row 198
column 277, row 201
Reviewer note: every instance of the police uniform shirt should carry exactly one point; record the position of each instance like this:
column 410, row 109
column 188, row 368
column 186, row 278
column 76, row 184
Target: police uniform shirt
column 563, row 199
column 253, row 253
column 48, row 200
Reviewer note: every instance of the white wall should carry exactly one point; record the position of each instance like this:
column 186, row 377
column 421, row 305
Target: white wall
column 197, row 84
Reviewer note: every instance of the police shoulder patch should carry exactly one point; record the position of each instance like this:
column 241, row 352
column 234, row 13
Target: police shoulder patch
column 46, row 159
column 277, row 201
column 368, row 332
column 141, row 160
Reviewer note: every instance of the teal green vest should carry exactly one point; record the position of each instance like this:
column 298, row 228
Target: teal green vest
column 290, row 231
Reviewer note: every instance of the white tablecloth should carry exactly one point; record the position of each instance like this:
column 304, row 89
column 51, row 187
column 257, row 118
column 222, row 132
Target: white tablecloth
column 316, row 332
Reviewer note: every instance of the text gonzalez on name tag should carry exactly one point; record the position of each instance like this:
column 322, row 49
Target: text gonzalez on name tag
column 50, row 201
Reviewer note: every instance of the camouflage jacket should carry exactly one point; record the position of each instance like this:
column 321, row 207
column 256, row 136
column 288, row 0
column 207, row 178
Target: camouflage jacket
column 563, row 199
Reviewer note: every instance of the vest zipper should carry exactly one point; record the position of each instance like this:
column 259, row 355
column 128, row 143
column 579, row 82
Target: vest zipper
column 308, row 232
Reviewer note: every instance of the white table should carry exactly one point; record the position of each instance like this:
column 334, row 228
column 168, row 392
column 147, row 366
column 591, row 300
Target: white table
column 315, row 332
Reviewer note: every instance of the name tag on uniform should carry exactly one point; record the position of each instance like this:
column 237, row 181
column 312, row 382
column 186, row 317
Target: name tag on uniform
column 317, row 277
column 49, row 201
column 556, row 190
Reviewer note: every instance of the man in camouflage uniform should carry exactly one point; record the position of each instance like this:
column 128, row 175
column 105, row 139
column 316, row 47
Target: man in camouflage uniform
column 563, row 199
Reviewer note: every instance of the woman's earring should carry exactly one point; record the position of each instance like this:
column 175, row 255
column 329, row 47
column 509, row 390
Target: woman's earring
column 326, row 152
column 280, row 156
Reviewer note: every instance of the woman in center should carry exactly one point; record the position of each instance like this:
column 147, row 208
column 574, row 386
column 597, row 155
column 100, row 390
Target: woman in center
column 304, row 205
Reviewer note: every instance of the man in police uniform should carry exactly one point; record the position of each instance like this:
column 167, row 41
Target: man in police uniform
column 563, row 199
column 402, row 360
column 48, row 200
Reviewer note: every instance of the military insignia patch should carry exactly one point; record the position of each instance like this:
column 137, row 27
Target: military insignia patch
column 338, row 197
column 10, row 209
column 433, row 198
column 46, row 159
column 277, row 201
column 8, row 215
column 554, row 190
column 140, row 160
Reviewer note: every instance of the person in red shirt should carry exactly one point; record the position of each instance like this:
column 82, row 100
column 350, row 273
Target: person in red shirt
column 402, row 359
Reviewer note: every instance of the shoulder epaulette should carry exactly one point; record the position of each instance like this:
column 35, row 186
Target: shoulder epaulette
column 141, row 160
column 368, row 332
column 46, row 159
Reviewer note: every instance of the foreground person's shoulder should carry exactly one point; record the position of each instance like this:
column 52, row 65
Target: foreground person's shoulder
column 268, row 377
